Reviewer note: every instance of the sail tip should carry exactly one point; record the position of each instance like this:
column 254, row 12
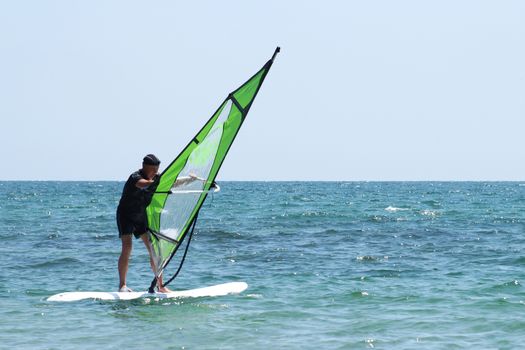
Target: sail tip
column 277, row 50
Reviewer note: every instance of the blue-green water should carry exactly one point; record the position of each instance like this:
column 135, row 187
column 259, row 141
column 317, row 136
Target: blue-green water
column 349, row 265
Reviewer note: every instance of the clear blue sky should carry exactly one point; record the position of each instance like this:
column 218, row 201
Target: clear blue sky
column 362, row 90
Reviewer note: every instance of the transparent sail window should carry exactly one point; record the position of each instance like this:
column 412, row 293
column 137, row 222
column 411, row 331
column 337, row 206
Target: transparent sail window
column 192, row 180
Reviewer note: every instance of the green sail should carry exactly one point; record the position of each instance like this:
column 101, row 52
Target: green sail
column 185, row 183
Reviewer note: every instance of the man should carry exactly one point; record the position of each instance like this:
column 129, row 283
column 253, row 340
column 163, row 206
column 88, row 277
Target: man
column 131, row 215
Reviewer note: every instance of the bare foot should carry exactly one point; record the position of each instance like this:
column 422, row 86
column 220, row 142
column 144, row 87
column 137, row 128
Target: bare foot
column 125, row 288
column 164, row 290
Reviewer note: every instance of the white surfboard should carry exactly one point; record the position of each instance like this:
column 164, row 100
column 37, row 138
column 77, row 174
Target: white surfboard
column 212, row 291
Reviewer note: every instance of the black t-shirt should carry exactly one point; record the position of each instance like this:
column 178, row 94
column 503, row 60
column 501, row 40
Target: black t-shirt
column 134, row 200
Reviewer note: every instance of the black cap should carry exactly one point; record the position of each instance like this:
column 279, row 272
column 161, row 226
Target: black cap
column 151, row 159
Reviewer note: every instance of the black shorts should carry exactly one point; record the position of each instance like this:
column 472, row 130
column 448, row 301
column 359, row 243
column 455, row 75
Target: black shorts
column 126, row 225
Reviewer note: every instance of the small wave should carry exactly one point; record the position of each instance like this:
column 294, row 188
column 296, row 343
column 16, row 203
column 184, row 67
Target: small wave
column 56, row 262
column 314, row 213
column 520, row 260
column 223, row 236
column 381, row 218
column 394, row 209
column 432, row 203
column 502, row 287
column 455, row 273
column 371, row 258
column 377, row 218
column 514, row 283
column 255, row 296
column 102, row 237
column 301, row 198
column 359, row 294
column 384, row 273
column 430, row 213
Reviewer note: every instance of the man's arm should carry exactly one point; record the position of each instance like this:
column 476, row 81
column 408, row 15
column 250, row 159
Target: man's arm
column 143, row 183
column 182, row 180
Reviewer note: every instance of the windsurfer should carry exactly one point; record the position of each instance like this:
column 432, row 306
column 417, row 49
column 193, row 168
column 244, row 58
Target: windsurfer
column 131, row 216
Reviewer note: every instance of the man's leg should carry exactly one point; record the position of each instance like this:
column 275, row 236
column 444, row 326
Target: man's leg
column 147, row 243
column 123, row 261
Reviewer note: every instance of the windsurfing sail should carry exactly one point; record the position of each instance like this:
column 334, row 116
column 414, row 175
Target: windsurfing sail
column 185, row 183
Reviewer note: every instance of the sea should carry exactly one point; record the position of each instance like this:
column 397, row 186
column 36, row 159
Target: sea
column 330, row 265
